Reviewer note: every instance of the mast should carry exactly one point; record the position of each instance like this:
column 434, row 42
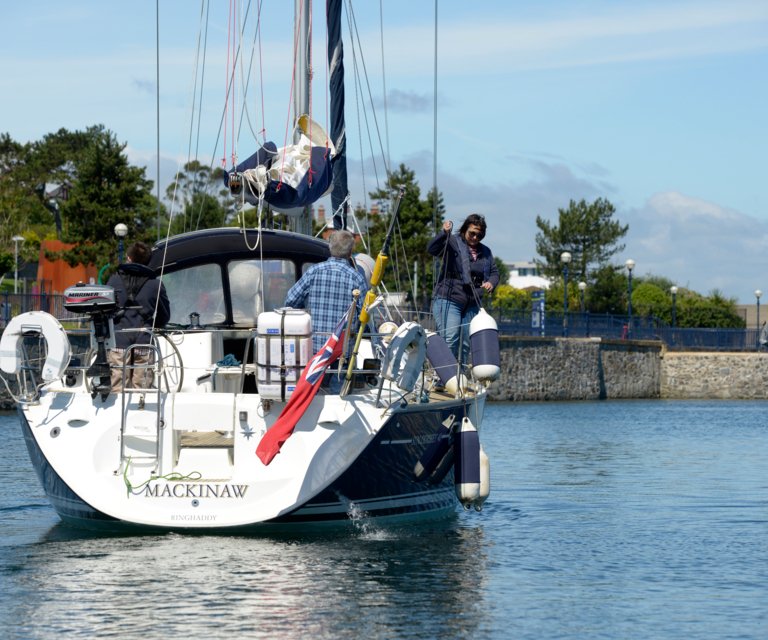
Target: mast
column 302, row 79
column 339, row 202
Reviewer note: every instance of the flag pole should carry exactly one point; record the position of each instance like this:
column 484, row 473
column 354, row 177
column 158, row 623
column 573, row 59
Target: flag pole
column 370, row 295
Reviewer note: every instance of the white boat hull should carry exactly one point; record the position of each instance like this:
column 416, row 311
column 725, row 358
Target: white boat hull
column 344, row 461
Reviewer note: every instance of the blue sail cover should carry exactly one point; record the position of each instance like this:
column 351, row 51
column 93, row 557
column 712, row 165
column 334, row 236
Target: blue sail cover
column 292, row 191
column 340, row 191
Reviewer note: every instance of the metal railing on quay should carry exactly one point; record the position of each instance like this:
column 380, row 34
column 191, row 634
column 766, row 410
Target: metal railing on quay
column 551, row 324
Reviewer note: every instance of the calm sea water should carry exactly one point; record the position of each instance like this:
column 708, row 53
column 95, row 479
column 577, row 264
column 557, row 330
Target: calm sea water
column 644, row 519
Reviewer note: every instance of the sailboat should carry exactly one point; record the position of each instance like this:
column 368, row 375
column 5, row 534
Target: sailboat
column 220, row 443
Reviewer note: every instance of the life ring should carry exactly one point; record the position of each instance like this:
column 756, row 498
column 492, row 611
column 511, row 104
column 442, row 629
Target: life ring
column 404, row 358
column 34, row 323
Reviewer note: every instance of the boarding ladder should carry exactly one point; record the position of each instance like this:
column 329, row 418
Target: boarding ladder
column 141, row 420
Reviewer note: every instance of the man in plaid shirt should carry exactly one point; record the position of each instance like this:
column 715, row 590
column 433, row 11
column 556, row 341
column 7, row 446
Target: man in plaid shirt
column 325, row 290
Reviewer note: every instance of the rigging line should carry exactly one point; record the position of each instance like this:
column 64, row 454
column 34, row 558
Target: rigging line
column 434, row 124
column 296, row 31
column 194, row 82
column 202, row 79
column 227, row 92
column 361, row 100
column 223, row 118
column 384, row 79
column 235, row 60
column 368, row 86
column 359, row 127
column 157, row 99
column 407, row 264
column 310, row 170
column 245, row 113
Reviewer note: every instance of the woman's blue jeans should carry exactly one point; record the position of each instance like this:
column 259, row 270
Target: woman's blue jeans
column 453, row 325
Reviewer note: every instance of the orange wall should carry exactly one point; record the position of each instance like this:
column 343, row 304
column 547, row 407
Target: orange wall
column 58, row 273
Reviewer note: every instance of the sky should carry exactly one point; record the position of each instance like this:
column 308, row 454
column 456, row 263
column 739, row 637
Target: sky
column 660, row 107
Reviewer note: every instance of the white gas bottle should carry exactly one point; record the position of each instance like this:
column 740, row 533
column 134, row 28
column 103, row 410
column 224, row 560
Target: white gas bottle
column 484, row 340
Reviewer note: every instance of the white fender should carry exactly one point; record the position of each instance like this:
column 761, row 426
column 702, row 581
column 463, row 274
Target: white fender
column 466, row 470
column 35, row 323
column 404, row 359
column 485, row 480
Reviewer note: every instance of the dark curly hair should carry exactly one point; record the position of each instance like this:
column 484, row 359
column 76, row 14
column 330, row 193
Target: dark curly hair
column 476, row 219
column 139, row 253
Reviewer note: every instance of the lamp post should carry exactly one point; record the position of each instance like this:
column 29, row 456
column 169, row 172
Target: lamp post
column 565, row 258
column 673, row 291
column 120, row 231
column 630, row 264
column 758, row 293
column 582, row 289
column 16, row 241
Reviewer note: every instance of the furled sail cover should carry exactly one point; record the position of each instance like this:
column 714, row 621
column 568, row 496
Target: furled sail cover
column 290, row 177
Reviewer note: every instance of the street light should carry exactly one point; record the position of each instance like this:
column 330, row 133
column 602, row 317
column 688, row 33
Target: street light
column 565, row 258
column 673, row 291
column 120, row 231
column 630, row 264
column 758, row 293
column 16, row 241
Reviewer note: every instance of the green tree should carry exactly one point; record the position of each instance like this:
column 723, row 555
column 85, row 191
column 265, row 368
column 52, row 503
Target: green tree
column 508, row 299
column 105, row 190
column 413, row 233
column 503, row 270
column 713, row 311
column 198, row 198
column 18, row 202
column 650, row 300
column 607, row 290
column 587, row 231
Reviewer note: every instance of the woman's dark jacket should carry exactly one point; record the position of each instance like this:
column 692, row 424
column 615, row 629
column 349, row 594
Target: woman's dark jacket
column 459, row 274
column 136, row 294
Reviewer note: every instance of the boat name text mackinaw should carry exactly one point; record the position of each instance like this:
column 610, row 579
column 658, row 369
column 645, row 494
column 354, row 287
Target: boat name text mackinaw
column 193, row 490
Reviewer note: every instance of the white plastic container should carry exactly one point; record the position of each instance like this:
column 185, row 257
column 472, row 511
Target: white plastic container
column 283, row 348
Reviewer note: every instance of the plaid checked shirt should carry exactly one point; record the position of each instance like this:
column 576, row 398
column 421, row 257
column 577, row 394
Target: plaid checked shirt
column 325, row 290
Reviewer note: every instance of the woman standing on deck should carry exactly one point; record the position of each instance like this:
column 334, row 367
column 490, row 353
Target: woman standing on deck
column 467, row 272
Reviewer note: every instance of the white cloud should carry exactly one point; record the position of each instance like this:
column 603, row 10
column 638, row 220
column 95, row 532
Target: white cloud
column 699, row 244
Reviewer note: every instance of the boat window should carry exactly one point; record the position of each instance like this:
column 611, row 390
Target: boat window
column 196, row 290
column 258, row 285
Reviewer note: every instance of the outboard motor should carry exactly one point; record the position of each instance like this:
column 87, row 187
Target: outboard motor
column 98, row 302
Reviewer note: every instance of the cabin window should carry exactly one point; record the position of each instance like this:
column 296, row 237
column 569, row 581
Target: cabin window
column 258, row 285
column 196, row 290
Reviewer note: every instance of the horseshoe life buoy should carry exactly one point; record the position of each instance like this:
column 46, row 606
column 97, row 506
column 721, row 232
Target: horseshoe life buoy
column 404, row 359
column 30, row 324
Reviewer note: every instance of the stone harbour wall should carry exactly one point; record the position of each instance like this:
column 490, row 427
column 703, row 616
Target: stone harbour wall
column 724, row 376
column 576, row 369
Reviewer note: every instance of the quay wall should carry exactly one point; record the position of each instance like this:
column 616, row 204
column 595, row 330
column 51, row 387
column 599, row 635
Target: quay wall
column 594, row 369
column 576, row 369
column 715, row 375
